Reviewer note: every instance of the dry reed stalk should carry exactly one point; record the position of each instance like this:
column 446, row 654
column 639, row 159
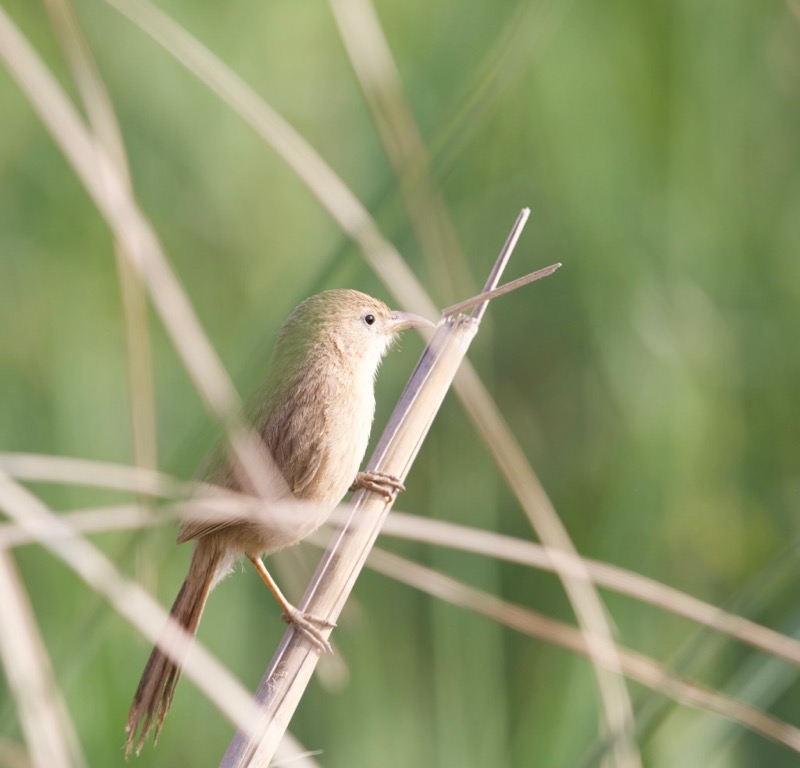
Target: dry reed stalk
column 644, row 670
column 122, row 517
column 109, row 190
column 102, row 119
column 129, row 600
column 43, row 715
column 136, row 606
column 93, row 474
column 371, row 57
column 620, row 580
column 634, row 665
column 294, row 662
column 329, row 189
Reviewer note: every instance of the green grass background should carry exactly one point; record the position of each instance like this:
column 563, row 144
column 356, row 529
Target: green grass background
column 652, row 382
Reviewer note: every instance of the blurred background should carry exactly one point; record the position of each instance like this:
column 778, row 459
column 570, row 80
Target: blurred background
column 652, row 382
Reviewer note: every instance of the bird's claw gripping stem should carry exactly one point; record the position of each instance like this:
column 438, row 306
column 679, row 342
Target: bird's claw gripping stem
column 379, row 482
column 309, row 625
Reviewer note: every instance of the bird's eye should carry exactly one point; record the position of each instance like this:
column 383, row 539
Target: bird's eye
column 369, row 319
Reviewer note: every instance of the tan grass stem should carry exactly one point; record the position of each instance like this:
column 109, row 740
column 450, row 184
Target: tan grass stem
column 440, row 533
column 128, row 599
column 371, row 57
column 102, row 119
column 109, row 190
column 634, row 665
column 43, row 716
column 294, row 662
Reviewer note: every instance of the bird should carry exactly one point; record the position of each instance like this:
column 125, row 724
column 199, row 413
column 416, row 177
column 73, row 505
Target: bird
column 314, row 415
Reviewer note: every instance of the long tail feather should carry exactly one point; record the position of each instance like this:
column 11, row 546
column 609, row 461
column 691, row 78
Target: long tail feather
column 161, row 674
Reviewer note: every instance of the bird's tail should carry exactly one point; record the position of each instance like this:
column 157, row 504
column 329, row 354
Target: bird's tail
column 161, row 674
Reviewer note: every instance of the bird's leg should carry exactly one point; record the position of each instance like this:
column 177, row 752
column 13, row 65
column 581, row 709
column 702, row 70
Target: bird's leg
column 306, row 623
column 380, row 482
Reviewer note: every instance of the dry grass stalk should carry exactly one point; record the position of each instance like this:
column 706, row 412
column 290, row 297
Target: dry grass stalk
column 43, row 715
column 94, row 474
column 329, row 189
column 291, row 668
column 129, row 600
column 109, row 190
column 634, row 665
column 102, row 119
column 638, row 667
column 439, row 533
column 374, row 66
column 625, row 582
column 581, row 592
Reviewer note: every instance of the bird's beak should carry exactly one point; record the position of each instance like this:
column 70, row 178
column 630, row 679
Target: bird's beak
column 403, row 320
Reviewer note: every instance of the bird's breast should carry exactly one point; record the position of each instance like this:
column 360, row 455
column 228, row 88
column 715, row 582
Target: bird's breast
column 348, row 422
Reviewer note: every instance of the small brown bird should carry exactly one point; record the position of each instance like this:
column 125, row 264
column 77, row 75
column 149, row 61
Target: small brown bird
column 318, row 407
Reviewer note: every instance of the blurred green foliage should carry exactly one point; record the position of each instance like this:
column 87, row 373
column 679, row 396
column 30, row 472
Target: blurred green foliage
column 652, row 382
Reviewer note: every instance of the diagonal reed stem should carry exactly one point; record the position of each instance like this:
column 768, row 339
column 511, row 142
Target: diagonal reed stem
column 294, row 662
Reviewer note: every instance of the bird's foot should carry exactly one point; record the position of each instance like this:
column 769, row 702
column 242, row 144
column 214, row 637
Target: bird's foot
column 380, row 482
column 309, row 626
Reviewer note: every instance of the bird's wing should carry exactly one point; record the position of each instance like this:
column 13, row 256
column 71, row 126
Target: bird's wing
column 309, row 468
column 295, row 435
column 300, row 447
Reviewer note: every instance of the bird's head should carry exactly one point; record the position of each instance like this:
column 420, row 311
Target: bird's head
column 343, row 327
